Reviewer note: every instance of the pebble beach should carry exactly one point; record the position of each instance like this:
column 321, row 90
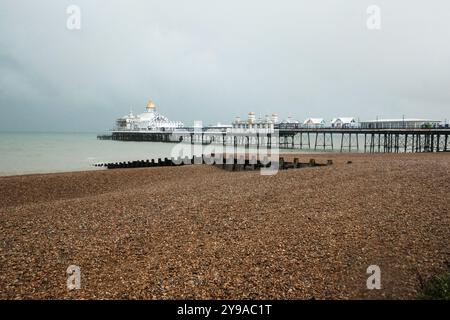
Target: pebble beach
column 200, row 232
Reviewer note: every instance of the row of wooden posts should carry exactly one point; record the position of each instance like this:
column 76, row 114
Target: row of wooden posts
column 230, row 164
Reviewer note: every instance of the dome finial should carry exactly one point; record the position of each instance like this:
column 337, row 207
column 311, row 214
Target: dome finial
column 151, row 105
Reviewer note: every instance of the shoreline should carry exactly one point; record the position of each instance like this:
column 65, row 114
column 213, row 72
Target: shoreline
column 200, row 232
column 287, row 155
column 93, row 168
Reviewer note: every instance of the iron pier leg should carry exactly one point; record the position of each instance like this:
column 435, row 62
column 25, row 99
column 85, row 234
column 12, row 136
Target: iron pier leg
column 315, row 144
column 406, row 142
column 357, row 142
column 445, row 146
column 379, row 142
column 301, row 140
column 365, row 142
column 432, row 142
column 349, row 142
column 438, row 137
column 324, row 140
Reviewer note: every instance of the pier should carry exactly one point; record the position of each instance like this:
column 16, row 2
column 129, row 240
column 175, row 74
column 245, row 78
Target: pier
column 308, row 139
column 155, row 136
column 366, row 140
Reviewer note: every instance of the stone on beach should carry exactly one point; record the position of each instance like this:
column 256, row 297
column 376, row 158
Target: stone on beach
column 202, row 232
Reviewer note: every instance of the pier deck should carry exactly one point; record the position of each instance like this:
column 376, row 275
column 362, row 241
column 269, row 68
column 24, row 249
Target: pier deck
column 317, row 139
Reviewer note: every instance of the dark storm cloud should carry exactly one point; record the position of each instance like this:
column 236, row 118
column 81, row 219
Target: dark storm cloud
column 213, row 60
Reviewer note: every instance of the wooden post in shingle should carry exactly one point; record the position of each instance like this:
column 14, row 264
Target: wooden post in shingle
column 281, row 163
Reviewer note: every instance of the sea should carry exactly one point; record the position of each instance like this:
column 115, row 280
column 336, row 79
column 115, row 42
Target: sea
column 38, row 152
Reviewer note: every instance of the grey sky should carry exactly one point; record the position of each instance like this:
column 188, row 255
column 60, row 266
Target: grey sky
column 212, row 60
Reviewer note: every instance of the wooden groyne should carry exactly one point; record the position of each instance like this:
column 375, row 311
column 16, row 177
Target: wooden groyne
column 230, row 164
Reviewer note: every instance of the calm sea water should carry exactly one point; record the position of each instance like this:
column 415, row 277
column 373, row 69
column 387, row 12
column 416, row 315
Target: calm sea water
column 23, row 153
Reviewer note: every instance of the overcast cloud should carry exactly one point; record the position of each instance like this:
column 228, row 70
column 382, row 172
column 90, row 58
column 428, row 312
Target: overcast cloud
column 213, row 60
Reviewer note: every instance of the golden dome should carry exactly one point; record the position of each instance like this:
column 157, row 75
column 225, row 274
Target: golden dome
column 151, row 105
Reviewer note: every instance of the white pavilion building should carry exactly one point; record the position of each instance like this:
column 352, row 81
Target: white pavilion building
column 147, row 121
